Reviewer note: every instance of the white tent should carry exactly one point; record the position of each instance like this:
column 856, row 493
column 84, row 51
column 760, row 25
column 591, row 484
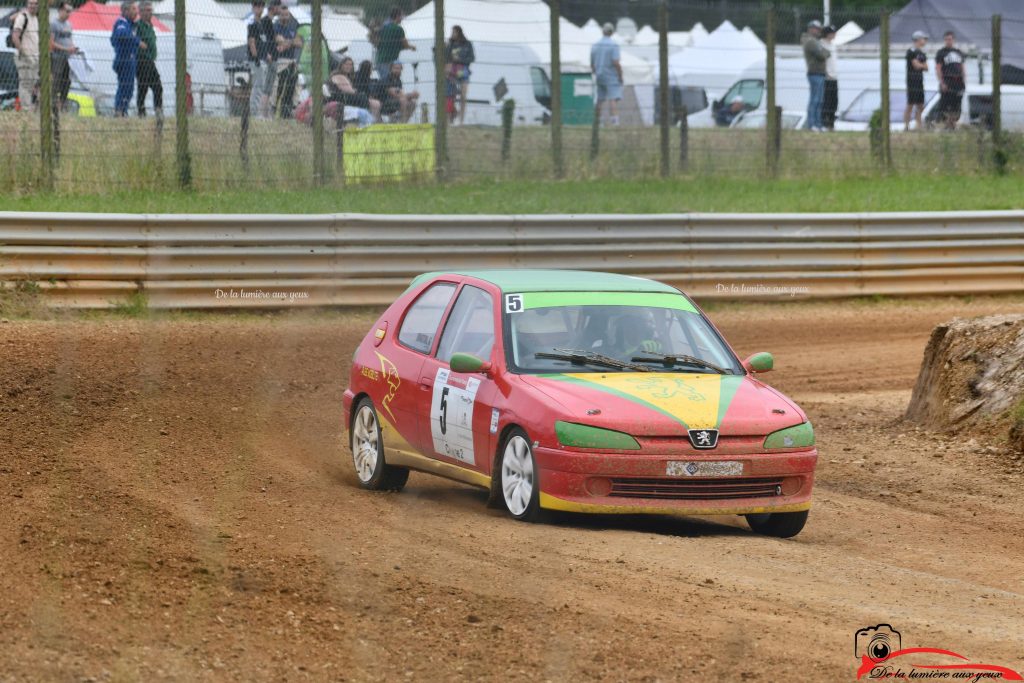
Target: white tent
column 521, row 22
column 341, row 30
column 848, row 32
column 592, row 30
column 750, row 38
column 676, row 39
column 714, row 62
column 646, row 36
column 206, row 19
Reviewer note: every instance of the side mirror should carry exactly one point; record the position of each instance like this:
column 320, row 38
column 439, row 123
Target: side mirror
column 467, row 362
column 759, row 362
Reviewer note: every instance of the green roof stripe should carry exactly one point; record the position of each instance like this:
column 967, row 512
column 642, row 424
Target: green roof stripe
column 540, row 280
column 652, row 299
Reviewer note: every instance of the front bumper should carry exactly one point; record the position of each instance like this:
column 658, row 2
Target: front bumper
column 632, row 483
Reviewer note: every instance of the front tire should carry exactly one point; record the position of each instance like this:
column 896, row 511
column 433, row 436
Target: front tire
column 373, row 473
column 778, row 524
column 517, row 470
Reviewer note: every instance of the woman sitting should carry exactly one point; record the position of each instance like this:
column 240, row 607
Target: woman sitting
column 341, row 89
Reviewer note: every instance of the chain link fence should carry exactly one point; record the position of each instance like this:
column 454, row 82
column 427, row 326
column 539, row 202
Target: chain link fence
column 220, row 95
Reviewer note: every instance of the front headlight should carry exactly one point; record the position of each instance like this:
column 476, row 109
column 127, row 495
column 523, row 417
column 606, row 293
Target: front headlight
column 585, row 436
column 797, row 436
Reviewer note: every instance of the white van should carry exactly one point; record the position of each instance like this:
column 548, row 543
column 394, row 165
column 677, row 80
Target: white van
column 856, row 74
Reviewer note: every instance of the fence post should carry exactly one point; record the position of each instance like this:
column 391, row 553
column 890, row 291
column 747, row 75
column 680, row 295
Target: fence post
column 665, row 95
column 883, row 41
column 595, row 135
column 339, row 133
column 508, row 114
column 316, row 89
column 243, row 142
column 184, row 159
column 771, row 130
column 684, row 141
column 997, row 96
column 440, row 94
column 556, row 88
column 46, row 99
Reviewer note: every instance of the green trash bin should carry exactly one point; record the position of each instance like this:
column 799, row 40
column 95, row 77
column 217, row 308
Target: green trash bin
column 577, row 99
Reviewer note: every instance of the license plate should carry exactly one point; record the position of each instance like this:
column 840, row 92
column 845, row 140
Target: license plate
column 715, row 468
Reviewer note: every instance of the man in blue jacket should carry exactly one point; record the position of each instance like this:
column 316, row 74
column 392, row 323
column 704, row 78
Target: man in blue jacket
column 125, row 40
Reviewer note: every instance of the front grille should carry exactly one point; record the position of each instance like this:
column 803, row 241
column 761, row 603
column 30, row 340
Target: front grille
column 695, row 489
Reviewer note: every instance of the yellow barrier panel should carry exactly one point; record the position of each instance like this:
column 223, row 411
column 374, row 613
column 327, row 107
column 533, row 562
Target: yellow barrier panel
column 386, row 153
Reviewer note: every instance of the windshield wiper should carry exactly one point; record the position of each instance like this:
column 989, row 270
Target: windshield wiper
column 582, row 357
column 671, row 361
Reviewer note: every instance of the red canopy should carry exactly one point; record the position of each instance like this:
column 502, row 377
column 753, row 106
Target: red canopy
column 92, row 16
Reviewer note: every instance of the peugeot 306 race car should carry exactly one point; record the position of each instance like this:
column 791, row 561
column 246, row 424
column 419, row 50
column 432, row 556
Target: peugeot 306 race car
column 575, row 391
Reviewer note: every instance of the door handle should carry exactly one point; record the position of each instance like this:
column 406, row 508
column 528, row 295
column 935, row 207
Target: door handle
column 426, row 383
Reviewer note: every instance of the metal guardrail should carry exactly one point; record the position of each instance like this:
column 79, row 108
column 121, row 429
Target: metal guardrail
column 222, row 261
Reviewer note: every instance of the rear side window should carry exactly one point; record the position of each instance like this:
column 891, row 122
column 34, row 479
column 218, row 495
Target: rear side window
column 470, row 327
column 424, row 316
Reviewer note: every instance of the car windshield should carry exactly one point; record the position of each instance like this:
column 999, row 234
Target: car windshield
column 580, row 332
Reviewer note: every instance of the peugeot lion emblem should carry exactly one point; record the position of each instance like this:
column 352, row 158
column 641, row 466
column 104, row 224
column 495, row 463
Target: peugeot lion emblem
column 704, row 438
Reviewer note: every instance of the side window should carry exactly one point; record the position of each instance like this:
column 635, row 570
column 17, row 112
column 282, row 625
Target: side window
column 424, row 316
column 751, row 92
column 470, row 327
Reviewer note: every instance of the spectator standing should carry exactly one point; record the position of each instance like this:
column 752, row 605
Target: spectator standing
column 125, row 40
column 260, row 39
column 815, row 55
column 61, row 48
column 917, row 64
column 606, row 65
column 952, row 73
column 830, row 97
column 396, row 99
column 149, row 76
column 459, row 55
column 25, row 38
column 391, row 41
column 288, row 47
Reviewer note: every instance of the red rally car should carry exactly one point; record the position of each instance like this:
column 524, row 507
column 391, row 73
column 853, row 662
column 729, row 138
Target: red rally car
column 575, row 391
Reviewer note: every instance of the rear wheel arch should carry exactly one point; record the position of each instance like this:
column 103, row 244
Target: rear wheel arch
column 352, row 409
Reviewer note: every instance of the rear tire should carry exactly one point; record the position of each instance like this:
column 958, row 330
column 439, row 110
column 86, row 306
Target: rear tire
column 367, row 444
column 778, row 524
column 517, row 476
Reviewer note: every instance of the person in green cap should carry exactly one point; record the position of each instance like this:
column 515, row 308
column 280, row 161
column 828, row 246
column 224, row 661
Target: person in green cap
column 149, row 77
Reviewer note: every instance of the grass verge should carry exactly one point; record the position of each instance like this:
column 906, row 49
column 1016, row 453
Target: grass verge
column 688, row 194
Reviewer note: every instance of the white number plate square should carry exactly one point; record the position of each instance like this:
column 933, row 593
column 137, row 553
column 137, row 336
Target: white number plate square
column 713, row 468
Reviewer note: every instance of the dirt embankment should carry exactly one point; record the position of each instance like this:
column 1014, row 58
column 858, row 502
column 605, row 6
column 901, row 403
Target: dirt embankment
column 972, row 379
column 176, row 504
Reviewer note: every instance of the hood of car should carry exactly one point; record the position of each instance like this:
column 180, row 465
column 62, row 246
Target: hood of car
column 669, row 403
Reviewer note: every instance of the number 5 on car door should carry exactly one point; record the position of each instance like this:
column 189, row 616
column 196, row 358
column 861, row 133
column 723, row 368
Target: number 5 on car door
column 451, row 423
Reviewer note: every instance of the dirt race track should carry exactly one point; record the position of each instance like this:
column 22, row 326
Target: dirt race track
column 176, row 504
